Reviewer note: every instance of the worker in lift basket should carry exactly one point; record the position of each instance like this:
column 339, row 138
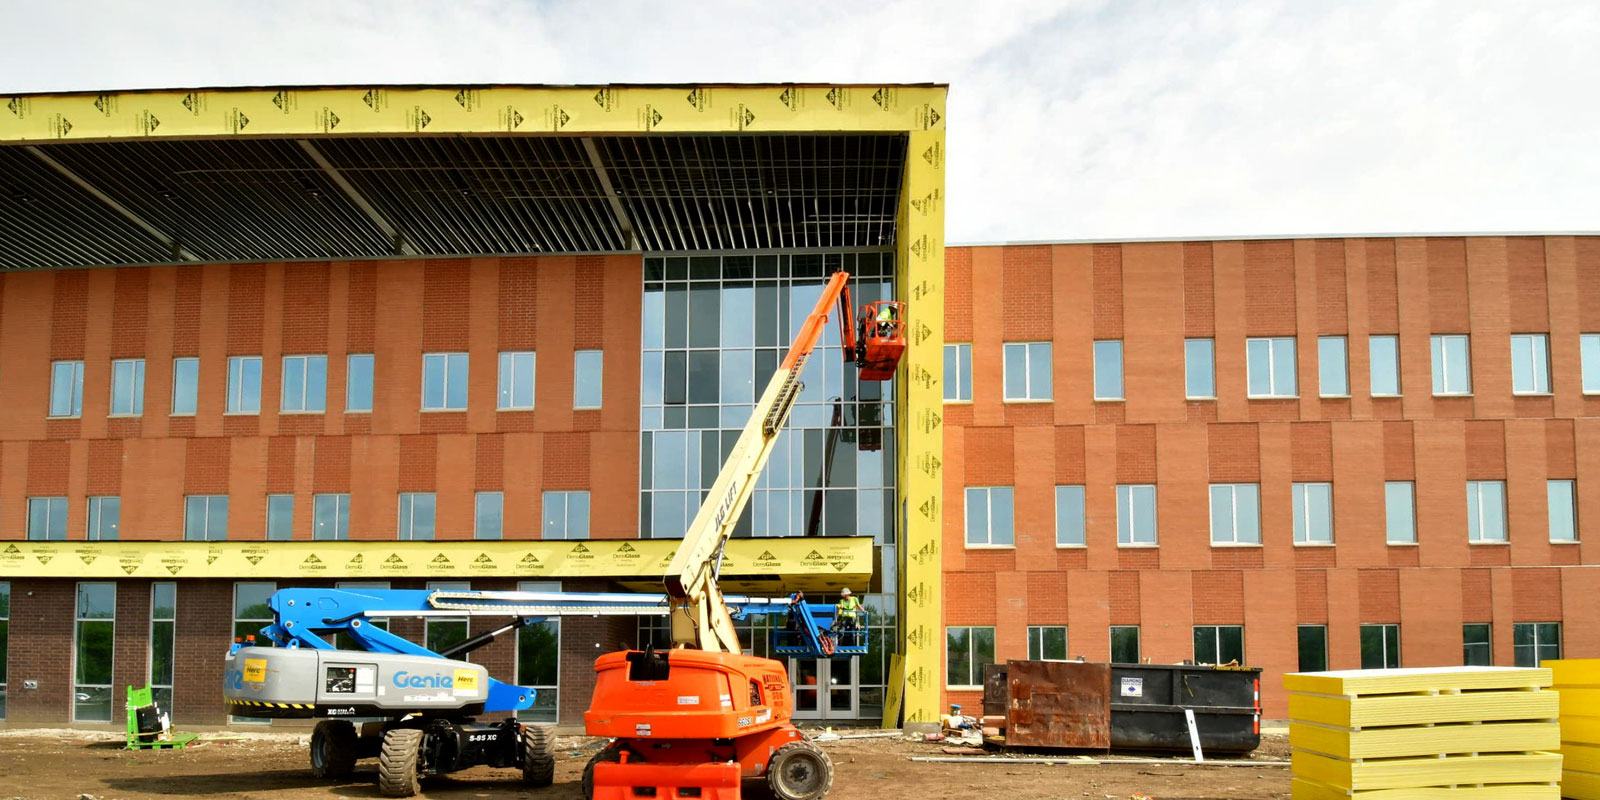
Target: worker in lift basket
column 847, row 615
column 886, row 321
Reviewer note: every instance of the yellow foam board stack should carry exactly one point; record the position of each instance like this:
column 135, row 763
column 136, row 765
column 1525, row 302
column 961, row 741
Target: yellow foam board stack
column 1444, row 733
column 1578, row 682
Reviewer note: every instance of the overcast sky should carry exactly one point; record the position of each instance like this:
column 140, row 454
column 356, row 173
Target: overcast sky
column 1067, row 120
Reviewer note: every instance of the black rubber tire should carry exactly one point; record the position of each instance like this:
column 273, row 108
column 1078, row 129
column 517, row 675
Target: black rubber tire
column 538, row 763
column 800, row 771
column 334, row 749
column 612, row 754
column 400, row 763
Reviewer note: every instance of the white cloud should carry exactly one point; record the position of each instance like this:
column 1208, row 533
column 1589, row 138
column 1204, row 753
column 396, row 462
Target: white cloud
column 1067, row 120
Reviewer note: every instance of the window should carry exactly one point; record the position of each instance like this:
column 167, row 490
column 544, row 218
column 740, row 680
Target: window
column 1108, row 370
column 185, row 386
column 244, row 385
column 47, row 519
column 1199, row 369
column 1530, row 363
column 5, row 640
column 1136, row 514
column 1219, row 644
column 442, row 633
column 1124, row 644
column 105, row 517
column 966, row 650
column 566, row 515
column 330, row 517
column 1313, row 513
column 250, row 614
column 444, row 382
column 588, row 378
column 66, row 388
column 1271, row 367
column 1399, row 512
column 488, row 515
column 1235, row 513
column 1069, row 516
column 280, row 517
column 205, row 517
column 989, row 516
column 1486, row 511
column 1027, row 371
column 93, row 643
column 1536, row 642
column 305, row 383
column 539, row 659
column 1380, row 646
column 1047, row 643
column 516, row 380
column 1477, row 650
column 958, row 373
column 1384, row 354
column 358, row 383
column 1589, row 344
column 127, row 387
column 415, row 522
column 1333, row 367
column 163, row 640
column 1452, row 365
column 1563, row 511
column 1313, row 647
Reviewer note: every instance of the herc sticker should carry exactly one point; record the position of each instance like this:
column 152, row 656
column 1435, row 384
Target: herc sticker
column 465, row 682
column 255, row 670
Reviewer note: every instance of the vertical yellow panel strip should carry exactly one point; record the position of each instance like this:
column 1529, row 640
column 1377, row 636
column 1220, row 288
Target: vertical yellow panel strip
column 920, row 272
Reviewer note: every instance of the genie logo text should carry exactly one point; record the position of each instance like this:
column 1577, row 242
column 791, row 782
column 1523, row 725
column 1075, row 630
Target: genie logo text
column 406, row 680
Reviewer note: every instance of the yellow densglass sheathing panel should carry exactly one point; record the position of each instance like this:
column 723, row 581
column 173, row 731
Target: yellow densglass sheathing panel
column 376, row 110
column 1311, row 790
column 1408, row 740
column 1410, row 773
column 1578, row 681
column 1417, row 709
column 920, row 263
column 1417, row 679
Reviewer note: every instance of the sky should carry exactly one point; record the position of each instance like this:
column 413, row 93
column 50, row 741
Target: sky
column 1067, row 120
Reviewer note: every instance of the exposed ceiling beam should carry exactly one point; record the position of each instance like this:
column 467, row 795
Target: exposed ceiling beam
column 623, row 220
column 400, row 244
column 177, row 250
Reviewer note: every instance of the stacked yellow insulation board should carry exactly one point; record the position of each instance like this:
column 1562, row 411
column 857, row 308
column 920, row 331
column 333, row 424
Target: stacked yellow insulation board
column 1451, row 733
column 1578, row 681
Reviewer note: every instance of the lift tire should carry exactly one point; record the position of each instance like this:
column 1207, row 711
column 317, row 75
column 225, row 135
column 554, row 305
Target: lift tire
column 612, row 754
column 538, row 763
column 334, row 749
column 400, row 763
column 800, row 771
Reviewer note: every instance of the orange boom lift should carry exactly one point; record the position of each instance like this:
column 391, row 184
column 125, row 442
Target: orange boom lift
column 696, row 719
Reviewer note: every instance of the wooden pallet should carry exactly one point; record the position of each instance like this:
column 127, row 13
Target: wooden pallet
column 1578, row 681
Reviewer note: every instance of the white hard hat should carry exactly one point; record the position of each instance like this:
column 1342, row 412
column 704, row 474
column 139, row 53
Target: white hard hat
column 845, row 592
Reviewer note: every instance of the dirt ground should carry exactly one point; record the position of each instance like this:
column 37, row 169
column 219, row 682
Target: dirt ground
column 49, row 764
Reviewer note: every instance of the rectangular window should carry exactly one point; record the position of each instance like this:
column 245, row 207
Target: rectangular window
column 5, row 640
column 244, row 385
column 305, row 383
column 1235, row 513
column 1530, row 363
column 1399, row 512
column 1219, row 644
column 442, row 633
column 488, row 516
column 1589, row 344
column 1271, row 367
column 105, row 518
column 1136, row 514
column 1452, row 365
column 1047, row 643
column 1069, row 516
column 539, row 660
column 94, row 642
column 1124, row 644
column 566, row 515
column 205, row 517
column 1486, row 511
column 415, row 522
column 127, row 387
column 250, row 614
column 330, row 517
column 588, row 378
column 1313, row 647
column 358, row 383
column 185, row 386
column 47, row 519
column 1313, row 513
column 1027, row 371
column 958, row 373
column 989, row 516
column 1535, row 642
column 1199, row 369
column 1108, row 370
column 1333, row 367
column 163, row 640
column 1477, row 650
column 966, row 650
column 1380, row 646
column 280, row 517
column 516, row 380
column 1384, row 353
column 66, row 388
column 1563, row 500
column 444, row 382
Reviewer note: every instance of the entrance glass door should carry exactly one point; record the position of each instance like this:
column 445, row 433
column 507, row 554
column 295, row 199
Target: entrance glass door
column 825, row 688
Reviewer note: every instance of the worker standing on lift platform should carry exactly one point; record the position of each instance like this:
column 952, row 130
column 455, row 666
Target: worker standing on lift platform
column 847, row 616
